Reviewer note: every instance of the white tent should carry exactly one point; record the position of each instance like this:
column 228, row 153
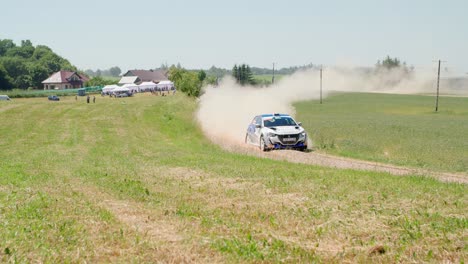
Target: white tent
column 147, row 85
column 165, row 84
column 109, row 88
column 132, row 87
column 121, row 89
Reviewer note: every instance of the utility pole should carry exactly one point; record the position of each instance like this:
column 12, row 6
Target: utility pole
column 438, row 81
column 273, row 78
column 321, row 69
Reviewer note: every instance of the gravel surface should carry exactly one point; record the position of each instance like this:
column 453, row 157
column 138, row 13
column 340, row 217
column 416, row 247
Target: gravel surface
column 320, row 159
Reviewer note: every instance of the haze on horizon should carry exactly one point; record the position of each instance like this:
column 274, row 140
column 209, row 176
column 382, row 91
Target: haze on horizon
column 198, row 34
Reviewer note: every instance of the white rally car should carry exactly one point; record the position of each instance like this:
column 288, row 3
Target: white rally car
column 276, row 131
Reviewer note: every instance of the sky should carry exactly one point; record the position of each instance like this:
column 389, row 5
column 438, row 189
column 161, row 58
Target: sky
column 143, row 34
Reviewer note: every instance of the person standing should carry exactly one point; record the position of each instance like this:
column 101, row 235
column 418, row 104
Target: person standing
column 87, row 99
column 94, row 99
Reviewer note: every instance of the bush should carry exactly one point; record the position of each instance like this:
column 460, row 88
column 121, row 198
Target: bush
column 185, row 81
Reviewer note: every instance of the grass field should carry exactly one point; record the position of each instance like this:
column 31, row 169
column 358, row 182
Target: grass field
column 266, row 78
column 134, row 180
column 398, row 129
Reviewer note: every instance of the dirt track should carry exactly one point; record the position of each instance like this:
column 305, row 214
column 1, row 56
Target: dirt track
column 325, row 160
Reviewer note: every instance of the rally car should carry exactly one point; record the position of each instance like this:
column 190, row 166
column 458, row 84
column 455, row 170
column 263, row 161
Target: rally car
column 276, row 131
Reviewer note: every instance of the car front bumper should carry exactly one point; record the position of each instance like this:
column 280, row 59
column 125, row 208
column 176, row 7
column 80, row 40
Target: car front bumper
column 276, row 143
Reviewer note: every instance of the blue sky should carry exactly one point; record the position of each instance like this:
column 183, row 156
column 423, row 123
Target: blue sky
column 198, row 34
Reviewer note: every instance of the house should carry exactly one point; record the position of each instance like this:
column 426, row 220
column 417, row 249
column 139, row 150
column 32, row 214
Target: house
column 65, row 80
column 155, row 76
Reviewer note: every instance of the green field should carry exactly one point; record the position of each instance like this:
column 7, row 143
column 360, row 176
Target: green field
column 266, row 78
column 397, row 129
column 134, row 180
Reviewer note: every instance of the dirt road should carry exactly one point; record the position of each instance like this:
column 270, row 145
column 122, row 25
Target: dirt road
column 316, row 158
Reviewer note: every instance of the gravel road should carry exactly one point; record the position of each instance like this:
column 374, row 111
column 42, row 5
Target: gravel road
column 316, row 158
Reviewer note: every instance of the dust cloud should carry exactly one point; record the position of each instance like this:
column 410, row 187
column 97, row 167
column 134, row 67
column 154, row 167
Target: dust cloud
column 226, row 110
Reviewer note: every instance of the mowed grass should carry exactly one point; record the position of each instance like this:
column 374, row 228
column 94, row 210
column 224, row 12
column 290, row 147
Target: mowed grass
column 134, row 180
column 397, row 129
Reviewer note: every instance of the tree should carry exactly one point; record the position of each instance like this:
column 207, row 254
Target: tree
column 115, row 71
column 201, row 75
column 217, row 72
column 190, row 84
column 243, row 74
column 392, row 71
column 164, row 66
column 248, row 75
column 90, row 72
column 38, row 74
column 23, row 81
column 99, row 81
column 26, row 50
column 51, row 62
column 389, row 63
column 176, row 74
column 40, row 52
column 6, row 82
column 5, row 45
column 185, row 81
column 235, row 72
column 15, row 66
column 211, row 80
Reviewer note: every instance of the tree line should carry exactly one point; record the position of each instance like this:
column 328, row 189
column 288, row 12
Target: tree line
column 112, row 72
column 26, row 66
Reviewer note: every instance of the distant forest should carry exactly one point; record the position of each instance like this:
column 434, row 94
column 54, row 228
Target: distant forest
column 220, row 72
column 26, row 66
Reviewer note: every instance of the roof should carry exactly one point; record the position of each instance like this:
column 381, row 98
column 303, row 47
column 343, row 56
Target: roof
column 270, row 115
column 63, row 77
column 149, row 75
column 129, row 79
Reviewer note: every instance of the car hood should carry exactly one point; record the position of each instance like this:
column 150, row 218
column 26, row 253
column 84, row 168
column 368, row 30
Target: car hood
column 285, row 130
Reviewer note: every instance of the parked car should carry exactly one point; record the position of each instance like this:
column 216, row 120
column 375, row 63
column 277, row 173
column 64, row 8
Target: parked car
column 276, row 131
column 4, row 98
column 121, row 95
column 53, row 98
column 124, row 94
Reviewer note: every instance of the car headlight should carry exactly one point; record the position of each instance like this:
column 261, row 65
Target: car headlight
column 270, row 134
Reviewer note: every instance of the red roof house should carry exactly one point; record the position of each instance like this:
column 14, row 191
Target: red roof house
column 65, row 80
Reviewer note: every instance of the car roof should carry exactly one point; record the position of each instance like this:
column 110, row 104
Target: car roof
column 271, row 115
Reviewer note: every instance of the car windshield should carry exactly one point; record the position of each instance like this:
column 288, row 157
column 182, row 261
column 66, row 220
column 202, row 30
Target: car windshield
column 279, row 121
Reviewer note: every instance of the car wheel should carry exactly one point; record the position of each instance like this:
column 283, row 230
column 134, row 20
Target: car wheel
column 262, row 144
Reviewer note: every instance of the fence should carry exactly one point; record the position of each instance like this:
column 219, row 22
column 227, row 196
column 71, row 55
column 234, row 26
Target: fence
column 17, row 93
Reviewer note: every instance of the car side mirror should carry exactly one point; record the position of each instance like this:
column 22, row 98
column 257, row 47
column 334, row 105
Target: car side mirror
column 299, row 123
